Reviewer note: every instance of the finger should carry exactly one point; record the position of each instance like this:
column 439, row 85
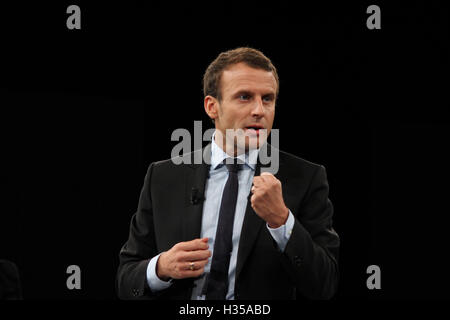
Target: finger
column 199, row 269
column 195, row 255
column 266, row 177
column 252, row 200
column 192, row 274
column 257, row 181
column 271, row 178
column 255, row 189
column 195, row 265
column 196, row 244
column 256, row 199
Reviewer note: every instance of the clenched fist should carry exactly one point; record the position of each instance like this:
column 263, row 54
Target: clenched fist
column 267, row 200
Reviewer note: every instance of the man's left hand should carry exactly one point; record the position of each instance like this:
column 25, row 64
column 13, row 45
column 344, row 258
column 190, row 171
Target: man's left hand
column 267, row 200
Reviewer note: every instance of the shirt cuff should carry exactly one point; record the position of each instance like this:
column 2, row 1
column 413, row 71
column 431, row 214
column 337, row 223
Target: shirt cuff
column 155, row 283
column 282, row 234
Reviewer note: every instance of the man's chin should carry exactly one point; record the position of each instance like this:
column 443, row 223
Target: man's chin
column 252, row 143
column 242, row 140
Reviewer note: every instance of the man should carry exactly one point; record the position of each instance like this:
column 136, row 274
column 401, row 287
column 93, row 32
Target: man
column 222, row 229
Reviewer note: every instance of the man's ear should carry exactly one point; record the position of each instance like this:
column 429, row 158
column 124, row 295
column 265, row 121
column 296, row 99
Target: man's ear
column 211, row 105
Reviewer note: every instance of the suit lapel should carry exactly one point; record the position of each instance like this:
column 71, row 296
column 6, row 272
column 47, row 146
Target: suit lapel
column 196, row 177
column 252, row 223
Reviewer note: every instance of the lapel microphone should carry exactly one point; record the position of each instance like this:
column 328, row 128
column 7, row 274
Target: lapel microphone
column 196, row 196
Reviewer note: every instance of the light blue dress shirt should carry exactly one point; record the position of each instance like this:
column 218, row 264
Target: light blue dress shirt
column 215, row 184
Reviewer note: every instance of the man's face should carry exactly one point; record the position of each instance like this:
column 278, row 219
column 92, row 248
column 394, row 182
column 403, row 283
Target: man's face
column 248, row 102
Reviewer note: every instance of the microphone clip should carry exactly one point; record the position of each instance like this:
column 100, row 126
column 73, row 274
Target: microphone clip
column 196, row 197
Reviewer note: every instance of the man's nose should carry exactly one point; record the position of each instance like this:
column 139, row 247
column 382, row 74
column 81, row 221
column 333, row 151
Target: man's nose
column 258, row 109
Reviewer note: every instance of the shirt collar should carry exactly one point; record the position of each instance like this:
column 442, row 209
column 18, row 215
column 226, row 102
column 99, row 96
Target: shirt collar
column 218, row 155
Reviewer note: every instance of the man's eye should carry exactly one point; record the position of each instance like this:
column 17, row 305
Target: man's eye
column 244, row 97
column 267, row 99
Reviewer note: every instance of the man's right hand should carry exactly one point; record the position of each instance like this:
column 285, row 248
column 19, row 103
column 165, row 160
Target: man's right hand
column 184, row 260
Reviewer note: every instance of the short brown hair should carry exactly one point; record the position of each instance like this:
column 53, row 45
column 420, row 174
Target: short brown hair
column 251, row 57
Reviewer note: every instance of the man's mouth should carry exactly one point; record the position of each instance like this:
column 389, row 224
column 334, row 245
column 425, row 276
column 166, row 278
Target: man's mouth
column 253, row 130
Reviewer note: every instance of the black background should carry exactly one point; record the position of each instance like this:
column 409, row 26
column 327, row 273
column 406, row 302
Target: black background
column 84, row 112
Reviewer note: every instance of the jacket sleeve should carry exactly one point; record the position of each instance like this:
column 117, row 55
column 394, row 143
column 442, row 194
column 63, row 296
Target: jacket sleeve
column 131, row 282
column 311, row 254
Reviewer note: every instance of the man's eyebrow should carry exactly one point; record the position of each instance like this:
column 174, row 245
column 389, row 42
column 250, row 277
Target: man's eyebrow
column 243, row 92
column 250, row 93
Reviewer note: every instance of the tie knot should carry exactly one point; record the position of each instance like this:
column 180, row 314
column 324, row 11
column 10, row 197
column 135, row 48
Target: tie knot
column 233, row 165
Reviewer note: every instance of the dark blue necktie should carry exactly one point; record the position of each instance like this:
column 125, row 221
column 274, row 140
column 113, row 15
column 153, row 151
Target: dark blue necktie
column 217, row 280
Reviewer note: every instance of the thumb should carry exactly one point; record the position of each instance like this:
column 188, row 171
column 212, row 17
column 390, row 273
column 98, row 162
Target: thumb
column 265, row 173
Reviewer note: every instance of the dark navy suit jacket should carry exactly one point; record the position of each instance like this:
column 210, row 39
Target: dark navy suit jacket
column 167, row 214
